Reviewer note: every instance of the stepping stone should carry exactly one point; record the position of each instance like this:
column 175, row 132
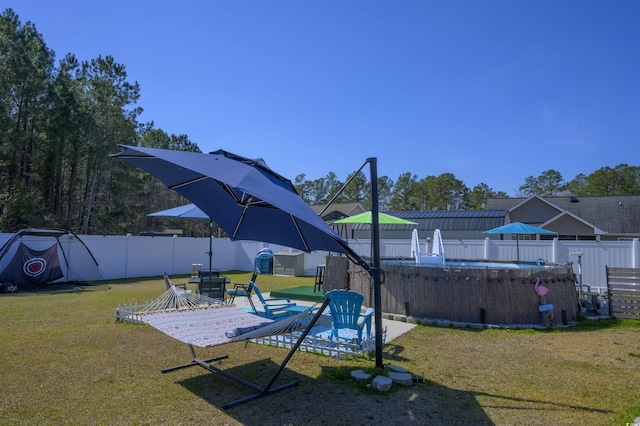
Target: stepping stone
column 381, row 383
column 394, row 368
column 404, row 379
column 360, row 376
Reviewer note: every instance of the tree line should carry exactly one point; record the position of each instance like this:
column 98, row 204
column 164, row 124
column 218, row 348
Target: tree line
column 408, row 192
column 58, row 125
column 620, row 180
column 60, row 121
column 446, row 192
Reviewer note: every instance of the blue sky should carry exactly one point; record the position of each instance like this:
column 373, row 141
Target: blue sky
column 492, row 91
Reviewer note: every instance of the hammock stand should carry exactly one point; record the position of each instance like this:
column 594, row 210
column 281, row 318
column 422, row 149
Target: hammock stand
column 287, row 324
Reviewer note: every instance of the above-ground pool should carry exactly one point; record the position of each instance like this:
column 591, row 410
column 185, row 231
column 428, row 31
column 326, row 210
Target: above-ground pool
column 478, row 264
column 466, row 291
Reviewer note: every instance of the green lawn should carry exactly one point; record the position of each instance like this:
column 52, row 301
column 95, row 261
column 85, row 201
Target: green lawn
column 64, row 360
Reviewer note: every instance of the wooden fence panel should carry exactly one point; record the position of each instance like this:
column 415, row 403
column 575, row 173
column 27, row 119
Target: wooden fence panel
column 623, row 289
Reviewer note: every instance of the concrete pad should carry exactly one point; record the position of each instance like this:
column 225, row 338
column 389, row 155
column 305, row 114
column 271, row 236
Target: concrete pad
column 394, row 328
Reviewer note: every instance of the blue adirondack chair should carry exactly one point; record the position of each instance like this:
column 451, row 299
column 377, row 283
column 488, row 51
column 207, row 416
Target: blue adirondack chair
column 346, row 313
column 274, row 308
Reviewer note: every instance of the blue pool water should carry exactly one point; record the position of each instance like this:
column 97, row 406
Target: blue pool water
column 472, row 264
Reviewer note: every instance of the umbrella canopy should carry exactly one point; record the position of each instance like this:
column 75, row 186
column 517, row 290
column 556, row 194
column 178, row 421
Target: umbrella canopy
column 366, row 219
column 243, row 196
column 188, row 211
column 519, row 228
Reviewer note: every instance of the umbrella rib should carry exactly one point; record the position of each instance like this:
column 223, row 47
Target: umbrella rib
column 229, row 191
column 188, row 182
column 246, row 200
column 295, row 222
column 135, row 157
column 235, row 231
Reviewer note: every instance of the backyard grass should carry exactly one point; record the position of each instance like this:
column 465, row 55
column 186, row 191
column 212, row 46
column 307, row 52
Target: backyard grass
column 64, row 360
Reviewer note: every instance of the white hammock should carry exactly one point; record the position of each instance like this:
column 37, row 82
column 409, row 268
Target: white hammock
column 213, row 325
column 172, row 300
column 217, row 325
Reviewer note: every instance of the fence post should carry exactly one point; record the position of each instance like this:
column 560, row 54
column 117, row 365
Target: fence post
column 173, row 254
column 635, row 253
column 555, row 249
column 487, row 241
column 126, row 257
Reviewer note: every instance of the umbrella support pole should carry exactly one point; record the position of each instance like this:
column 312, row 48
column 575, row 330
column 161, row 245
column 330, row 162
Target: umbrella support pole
column 374, row 269
column 261, row 391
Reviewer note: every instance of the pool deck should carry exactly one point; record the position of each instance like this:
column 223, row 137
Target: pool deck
column 394, row 328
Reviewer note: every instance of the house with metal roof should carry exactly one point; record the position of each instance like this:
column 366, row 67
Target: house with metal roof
column 453, row 224
column 606, row 218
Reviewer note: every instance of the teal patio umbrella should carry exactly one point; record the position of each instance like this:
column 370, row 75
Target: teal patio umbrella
column 517, row 229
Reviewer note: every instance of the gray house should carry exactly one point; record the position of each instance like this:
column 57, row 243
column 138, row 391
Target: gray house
column 611, row 218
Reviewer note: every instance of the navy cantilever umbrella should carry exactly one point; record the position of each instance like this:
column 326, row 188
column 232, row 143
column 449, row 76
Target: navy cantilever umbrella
column 243, row 196
column 251, row 202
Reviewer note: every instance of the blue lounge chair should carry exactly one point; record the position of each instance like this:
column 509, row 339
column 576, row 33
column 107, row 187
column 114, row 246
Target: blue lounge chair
column 274, row 308
column 346, row 313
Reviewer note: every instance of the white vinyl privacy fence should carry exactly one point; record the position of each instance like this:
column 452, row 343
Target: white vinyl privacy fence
column 136, row 256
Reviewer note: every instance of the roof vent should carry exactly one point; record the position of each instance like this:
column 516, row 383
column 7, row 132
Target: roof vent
column 573, row 200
